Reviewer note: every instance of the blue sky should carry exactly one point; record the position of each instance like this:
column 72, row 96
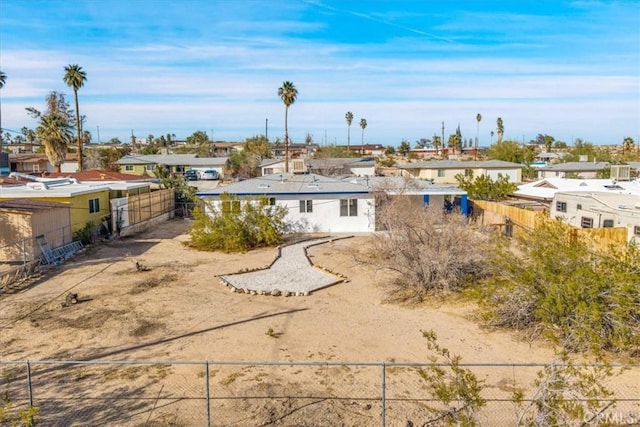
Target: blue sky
column 570, row 69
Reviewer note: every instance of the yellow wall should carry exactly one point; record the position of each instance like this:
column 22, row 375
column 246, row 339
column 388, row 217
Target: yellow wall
column 80, row 215
column 137, row 170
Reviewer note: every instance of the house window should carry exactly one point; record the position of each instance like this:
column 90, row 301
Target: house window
column 440, row 173
column 150, row 167
column 35, row 168
column 349, row 207
column 579, row 206
column 467, row 172
column 128, row 168
column 636, row 230
column 586, row 222
column 231, row 206
column 561, row 206
column 607, row 223
column 94, row 205
column 306, row 206
column 272, row 201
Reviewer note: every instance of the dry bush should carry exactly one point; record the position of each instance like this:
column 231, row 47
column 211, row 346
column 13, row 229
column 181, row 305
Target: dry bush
column 430, row 251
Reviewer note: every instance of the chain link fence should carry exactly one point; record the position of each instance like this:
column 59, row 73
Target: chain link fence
column 82, row 393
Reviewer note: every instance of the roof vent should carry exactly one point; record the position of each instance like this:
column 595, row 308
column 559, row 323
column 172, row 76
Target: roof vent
column 263, row 185
column 37, row 186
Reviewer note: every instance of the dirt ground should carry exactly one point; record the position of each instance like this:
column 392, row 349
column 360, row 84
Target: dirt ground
column 178, row 311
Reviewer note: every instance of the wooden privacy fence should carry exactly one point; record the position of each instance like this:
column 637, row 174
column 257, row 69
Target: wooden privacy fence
column 524, row 220
column 150, row 205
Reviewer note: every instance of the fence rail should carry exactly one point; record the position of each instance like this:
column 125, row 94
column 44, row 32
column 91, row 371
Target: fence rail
column 203, row 393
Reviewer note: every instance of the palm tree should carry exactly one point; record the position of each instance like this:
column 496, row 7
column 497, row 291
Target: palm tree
column 3, row 80
column 53, row 131
column 478, row 119
column 288, row 93
column 75, row 77
column 492, row 133
column 500, row 129
column 349, row 117
column 363, row 124
column 436, row 143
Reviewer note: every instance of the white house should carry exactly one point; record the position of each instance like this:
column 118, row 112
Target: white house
column 579, row 169
column 445, row 171
column 315, row 203
column 357, row 166
column 599, row 210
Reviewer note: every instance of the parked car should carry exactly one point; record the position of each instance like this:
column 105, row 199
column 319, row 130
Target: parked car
column 210, row 174
column 191, row 175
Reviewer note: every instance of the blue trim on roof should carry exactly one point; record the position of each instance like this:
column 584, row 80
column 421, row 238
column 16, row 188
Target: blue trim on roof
column 284, row 194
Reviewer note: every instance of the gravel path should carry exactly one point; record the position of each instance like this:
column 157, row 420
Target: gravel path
column 292, row 272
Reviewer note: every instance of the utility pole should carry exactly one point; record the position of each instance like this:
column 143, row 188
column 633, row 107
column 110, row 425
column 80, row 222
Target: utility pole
column 266, row 129
column 98, row 134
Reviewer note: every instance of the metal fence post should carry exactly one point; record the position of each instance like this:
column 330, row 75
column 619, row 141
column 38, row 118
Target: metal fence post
column 30, row 392
column 384, row 394
column 206, row 379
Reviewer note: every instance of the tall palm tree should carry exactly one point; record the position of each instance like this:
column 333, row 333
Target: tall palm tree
column 349, row 117
column 3, row 80
column 478, row 119
column 363, row 124
column 500, row 129
column 288, row 93
column 75, row 77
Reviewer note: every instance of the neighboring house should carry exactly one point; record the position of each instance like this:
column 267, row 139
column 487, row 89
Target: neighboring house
column 224, row 149
column 547, row 157
column 445, row 171
column 577, row 169
column 315, row 203
column 89, row 203
column 544, row 190
column 24, row 220
column 38, row 163
column 295, row 150
column 177, row 163
column 121, row 184
column 357, row 166
column 22, row 147
column 599, row 210
column 366, row 149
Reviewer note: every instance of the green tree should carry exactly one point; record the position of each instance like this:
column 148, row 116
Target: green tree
column 75, row 77
column 258, row 145
column 627, row 144
column 237, row 225
column 553, row 281
column 198, row 138
column 288, row 93
column 349, row 117
column 54, row 127
column 404, row 148
column 499, row 129
column 483, row 187
column 508, row 151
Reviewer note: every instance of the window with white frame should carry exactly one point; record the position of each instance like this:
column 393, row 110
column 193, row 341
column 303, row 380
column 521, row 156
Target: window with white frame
column 128, row 168
column 94, row 205
column 607, row 223
column 561, row 206
column 150, row 167
column 586, row 222
column 636, row 230
column 349, row 207
column 272, row 201
column 306, row 206
column 440, row 173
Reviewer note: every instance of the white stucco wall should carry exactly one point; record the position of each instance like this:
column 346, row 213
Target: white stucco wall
column 325, row 217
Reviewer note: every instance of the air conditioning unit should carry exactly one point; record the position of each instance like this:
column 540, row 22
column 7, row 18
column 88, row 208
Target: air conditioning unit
column 299, row 166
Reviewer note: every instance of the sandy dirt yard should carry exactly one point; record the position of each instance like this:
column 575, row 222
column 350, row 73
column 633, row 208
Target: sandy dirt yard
column 178, row 311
